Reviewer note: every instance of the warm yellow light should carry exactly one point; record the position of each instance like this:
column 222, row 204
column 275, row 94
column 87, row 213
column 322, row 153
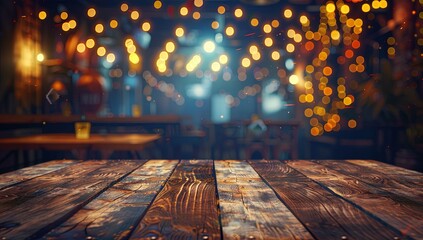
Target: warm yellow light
column 330, row 7
column 146, row 26
column 65, row 26
column 275, row 23
column 245, row 62
column 215, row 67
column 308, row 112
column 64, row 15
column 290, row 47
column 110, row 58
column 335, row 35
column 131, row 49
column 298, row 38
column 308, row 85
column 91, row 12
column 221, row 9
column 193, row 63
column 209, row 46
column 293, row 79
column 350, row 22
column 179, row 32
column 310, row 69
column 230, row 31
column 196, row 15
column 254, row 22
column 157, row 4
column 40, row 57
column 323, row 56
column 253, row 49
column 303, row 19
column 113, row 23
column 384, row 4
column 42, row 15
column 365, row 7
column 375, row 4
column 256, row 56
column 215, row 25
column 327, row 91
column 358, row 22
column 268, row 42
column 352, row 123
column 276, row 55
column 198, row 3
column 345, row 9
column 223, row 59
column 135, row 15
column 99, row 28
column 267, row 28
column 238, row 12
column 360, row 59
column 90, row 43
column 164, row 55
column 162, row 68
column 72, row 24
column 391, row 41
column 129, row 42
column 124, row 7
column 309, row 98
column 101, row 51
column 170, row 47
column 80, row 47
column 327, row 71
column 183, row 11
column 314, row 131
column 287, row 13
column 347, row 101
column 133, row 58
column 290, row 33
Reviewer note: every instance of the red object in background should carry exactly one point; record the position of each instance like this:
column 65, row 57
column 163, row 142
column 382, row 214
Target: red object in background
column 90, row 92
column 171, row 11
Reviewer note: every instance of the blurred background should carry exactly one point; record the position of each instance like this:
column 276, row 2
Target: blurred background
column 237, row 79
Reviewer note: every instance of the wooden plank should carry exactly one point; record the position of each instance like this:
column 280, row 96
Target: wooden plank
column 250, row 209
column 405, row 176
column 186, row 208
column 385, row 168
column 24, row 174
column 324, row 214
column 395, row 184
column 399, row 212
column 33, row 207
column 115, row 212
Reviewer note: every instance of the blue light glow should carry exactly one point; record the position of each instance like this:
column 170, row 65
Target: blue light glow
column 289, row 64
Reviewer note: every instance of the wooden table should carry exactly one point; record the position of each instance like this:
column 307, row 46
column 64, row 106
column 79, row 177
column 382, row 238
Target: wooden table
column 205, row 199
column 104, row 143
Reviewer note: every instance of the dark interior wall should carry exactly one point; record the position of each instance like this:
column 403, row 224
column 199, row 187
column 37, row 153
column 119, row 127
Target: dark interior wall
column 7, row 23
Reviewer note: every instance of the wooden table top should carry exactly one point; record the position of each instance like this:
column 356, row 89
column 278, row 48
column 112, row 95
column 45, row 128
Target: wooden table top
column 68, row 140
column 205, row 199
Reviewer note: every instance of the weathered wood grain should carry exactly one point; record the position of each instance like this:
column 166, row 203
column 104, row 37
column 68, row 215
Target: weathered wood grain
column 186, row 208
column 384, row 167
column 324, row 214
column 250, row 208
column 115, row 212
column 405, row 176
column 399, row 212
column 35, row 206
column 24, row 174
column 394, row 184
